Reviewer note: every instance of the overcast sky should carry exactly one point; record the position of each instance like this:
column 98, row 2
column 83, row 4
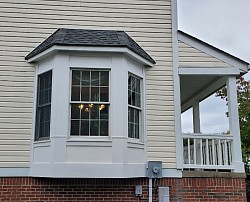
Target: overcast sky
column 224, row 24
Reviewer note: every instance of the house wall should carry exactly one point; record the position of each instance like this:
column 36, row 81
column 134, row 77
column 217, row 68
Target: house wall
column 185, row 189
column 24, row 24
column 192, row 57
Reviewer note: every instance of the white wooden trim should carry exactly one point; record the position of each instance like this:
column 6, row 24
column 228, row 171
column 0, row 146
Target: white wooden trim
column 177, row 93
column 204, row 93
column 56, row 48
column 234, row 123
column 218, row 71
column 210, row 50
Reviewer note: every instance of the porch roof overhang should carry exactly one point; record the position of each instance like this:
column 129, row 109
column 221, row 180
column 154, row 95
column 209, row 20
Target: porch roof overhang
column 198, row 83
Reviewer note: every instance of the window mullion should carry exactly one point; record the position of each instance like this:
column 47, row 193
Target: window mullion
column 90, row 95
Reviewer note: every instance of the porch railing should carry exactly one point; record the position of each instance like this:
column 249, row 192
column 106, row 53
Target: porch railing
column 207, row 151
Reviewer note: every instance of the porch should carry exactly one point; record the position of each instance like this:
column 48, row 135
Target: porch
column 203, row 70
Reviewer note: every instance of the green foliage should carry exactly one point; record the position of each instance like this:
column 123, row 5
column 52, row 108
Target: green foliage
column 243, row 92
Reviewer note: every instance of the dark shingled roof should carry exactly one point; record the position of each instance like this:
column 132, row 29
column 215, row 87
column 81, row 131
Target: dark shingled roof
column 96, row 38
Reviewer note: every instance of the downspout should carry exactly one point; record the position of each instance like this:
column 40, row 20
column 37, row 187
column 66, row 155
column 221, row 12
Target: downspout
column 150, row 189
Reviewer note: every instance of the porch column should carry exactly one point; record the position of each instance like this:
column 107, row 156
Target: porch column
column 234, row 124
column 196, row 117
column 197, row 129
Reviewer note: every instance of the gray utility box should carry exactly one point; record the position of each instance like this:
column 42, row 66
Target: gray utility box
column 163, row 194
column 154, row 169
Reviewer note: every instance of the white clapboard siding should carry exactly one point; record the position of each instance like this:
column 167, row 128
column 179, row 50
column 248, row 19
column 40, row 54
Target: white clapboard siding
column 191, row 57
column 25, row 24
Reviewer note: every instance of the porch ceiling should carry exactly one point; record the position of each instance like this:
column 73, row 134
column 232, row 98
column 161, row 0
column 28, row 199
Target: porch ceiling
column 197, row 86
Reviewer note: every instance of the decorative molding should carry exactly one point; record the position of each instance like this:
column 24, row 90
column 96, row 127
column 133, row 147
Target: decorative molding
column 57, row 48
column 218, row 71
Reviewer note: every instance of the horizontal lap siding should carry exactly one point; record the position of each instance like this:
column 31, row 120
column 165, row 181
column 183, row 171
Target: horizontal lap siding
column 191, row 57
column 25, row 24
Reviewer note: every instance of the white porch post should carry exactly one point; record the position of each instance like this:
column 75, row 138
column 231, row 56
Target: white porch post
column 197, row 129
column 234, row 124
column 196, row 117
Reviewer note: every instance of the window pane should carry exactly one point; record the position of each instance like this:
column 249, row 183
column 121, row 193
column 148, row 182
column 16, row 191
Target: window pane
column 95, row 78
column 85, row 79
column 136, row 116
column 132, row 83
column 104, row 128
column 104, row 94
column 129, row 97
column 84, row 111
column 85, row 94
column 94, row 112
column 41, row 131
column 75, row 111
column 41, row 98
column 46, row 129
column 137, row 100
column 75, row 77
column 133, row 98
column 131, row 115
column 74, row 127
column 104, row 78
column 130, row 130
column 104, row 113
column 75, row 94
column 85, row 128
column 95, row 94
column 94, row 128
column 129, row 82
column 137, row 86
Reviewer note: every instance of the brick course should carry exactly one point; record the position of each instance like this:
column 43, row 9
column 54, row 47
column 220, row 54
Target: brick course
column 105, row 190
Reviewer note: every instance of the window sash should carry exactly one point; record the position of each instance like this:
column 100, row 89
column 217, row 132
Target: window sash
column 134, row 106
column 95, row 126
column 43, row 111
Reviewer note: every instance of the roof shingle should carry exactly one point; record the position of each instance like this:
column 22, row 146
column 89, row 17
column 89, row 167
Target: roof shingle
column 84, row 37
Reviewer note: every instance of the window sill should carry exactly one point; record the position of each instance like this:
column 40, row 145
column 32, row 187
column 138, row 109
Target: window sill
column 132, row 143
column 91, row 141
column 41, row 143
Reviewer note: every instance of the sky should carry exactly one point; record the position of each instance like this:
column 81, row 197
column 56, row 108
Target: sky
column 224, row 24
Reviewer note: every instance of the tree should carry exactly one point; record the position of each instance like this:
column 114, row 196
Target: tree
column 243, row 92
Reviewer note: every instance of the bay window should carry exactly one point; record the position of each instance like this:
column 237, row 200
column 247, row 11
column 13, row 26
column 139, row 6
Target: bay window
column 89, row 103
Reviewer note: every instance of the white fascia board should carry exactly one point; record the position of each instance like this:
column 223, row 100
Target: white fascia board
column 218, row 71
column 126, row 51
column 203, row 94
column 214, row 52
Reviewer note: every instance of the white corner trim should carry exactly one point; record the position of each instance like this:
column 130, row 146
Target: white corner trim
column 177, row 94
column 219, row 71
column 126, row 51
column 210, row 50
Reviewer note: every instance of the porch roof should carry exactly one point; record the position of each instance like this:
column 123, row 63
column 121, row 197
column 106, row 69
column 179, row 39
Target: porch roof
column 198, row 82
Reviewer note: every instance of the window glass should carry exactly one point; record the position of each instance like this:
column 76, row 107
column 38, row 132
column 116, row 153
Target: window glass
column 134, row 106
column 90, row 109
column 43, row 108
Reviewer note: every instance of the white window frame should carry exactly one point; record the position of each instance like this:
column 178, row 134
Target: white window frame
column 37, row 137
column 140, row 109
column 89, row 102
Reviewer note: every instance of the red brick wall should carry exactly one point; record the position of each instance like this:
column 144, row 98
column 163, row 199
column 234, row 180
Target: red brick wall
column 105, row 190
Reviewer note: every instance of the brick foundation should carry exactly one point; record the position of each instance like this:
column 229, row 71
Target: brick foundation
column 105, row 190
